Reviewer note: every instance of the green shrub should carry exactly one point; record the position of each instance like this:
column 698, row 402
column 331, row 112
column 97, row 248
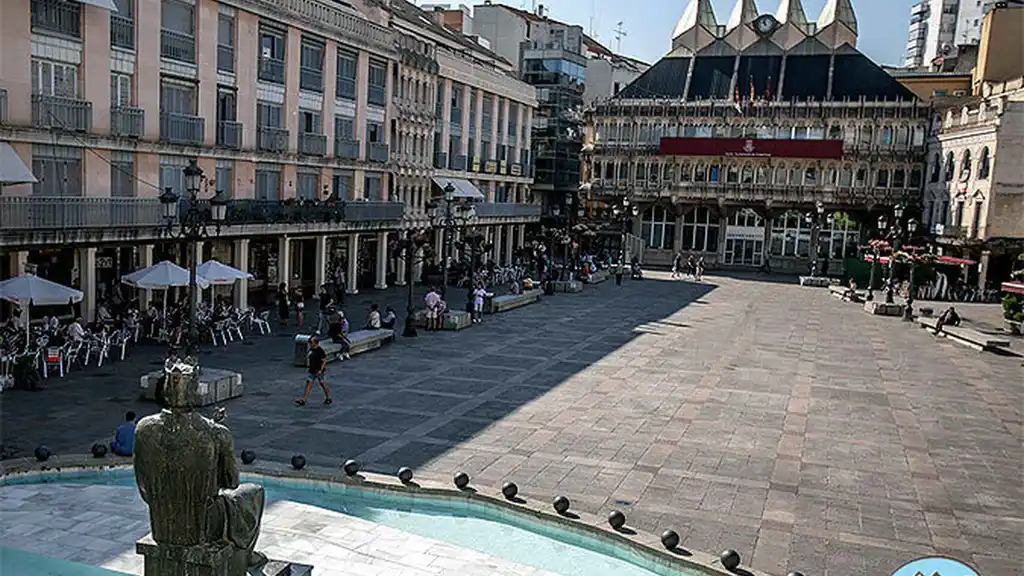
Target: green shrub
column 1013, row 307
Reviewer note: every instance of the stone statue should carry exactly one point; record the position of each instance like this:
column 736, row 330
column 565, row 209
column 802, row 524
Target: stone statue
column 186, row 472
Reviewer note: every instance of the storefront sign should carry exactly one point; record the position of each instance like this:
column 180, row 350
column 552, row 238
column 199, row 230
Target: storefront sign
column 476, row 164
column 104, row 262
column 491, row 167
column 751, row 148
column 745, row 232
column 517, row 169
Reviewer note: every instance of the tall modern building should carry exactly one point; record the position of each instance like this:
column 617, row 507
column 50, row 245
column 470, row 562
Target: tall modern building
column 767, row 138
column 938, row 27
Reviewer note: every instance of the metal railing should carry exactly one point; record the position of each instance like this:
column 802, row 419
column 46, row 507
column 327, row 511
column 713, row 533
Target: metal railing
column 271, row 139
column 440, row 160
column 307, row 211
column 506, row 210
column 122, row 32
column 126, row 121
column 229, row 134
column 373, row 211
column 57, row 16
column 312, row 144
column 311, row 79
column 177, row 46
column 3, row 106
column 181, row 128
column 377, row 152
column 348, row 149
column 345, row 88
column 376, row 95
column 62, row 113
column 459, row 162
column 271, row 70
column 225, row 58
column 62, row 212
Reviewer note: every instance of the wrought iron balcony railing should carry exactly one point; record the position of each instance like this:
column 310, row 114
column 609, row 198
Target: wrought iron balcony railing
column 229, row 134
column 126, row 121
column 345, row 88
column 271, row 70
column 311, row 79
column 181, row 128
column 272, row 139
column 122, row 32
column 177, row 46
column 57, row 16
column 3, row 106
column 506, row 210
column 312, row 144
column 347, row 149
column 61, row 113
column 377, row 152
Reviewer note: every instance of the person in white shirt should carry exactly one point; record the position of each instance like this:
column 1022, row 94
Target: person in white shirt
column 478, row 303
column 373, row 321
column 75, row 331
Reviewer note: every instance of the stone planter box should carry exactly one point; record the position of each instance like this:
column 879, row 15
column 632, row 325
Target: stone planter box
column 818, row 281
column 215, row 385
column 597, row 277
column 882, row 309
column 568, row 286
column 452, row 319
column 510, row 301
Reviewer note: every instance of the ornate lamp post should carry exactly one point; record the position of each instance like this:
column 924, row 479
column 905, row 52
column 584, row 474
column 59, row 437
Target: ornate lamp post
column 447, row 213
column 908, row 310
column 814, row 219
column 192, row 226
column 623, row 212
column 410, row 245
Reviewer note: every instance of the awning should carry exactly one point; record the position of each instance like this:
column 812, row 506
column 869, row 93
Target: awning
column 951, row 260
column 105, row 4
column 12, row 169
column 1015, row 287
column 463, row 188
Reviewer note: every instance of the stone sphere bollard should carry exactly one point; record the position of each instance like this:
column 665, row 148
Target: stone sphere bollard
column 795, row 573
column 730, row 559
column 42, row 453
column 405, row 474
column 298, row 461
column 669, row 539
column 616, row 519
column 561, row 504
column 248, row 456
column 351, row 467
column 509, row 490
column 99, row 450
column 461, row 480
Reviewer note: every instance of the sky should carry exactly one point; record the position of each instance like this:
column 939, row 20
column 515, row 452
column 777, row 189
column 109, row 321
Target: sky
column 649, row 23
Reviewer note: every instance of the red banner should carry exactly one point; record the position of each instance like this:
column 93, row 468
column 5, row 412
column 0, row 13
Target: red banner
column 751, row 148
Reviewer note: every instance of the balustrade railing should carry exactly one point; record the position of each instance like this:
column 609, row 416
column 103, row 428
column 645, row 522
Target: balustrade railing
column 347, row 149
column 377, row 152
column 271, row 70
column 311, row 79
column 229, row 134
column 506, row 210
column 181, row 128
column 126, row 121
column 122, row 32
column 312, row 144
column 271, row 139
column 57, row 16
column 177, row 46
column 61, row 113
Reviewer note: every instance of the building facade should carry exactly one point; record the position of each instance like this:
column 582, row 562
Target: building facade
column 938, row 27
column 731, row 142
column 289, row 108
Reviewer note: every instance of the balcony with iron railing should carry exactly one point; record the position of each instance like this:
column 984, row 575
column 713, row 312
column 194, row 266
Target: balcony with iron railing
column 177, row 46
column 271, row 70
column 345, row 88
column 440, row 160
column 376, row 95
column 181, row 128
column 311, row 79
column 312, row 144
column 506, row 210
column 346, row 149
column 61, row 113
column 377, row 152
column 127, row 121
column 3, row 106
column 229, row 134
column 122, row 32
column 271, row 139
column 225, row 58
column 58, row 16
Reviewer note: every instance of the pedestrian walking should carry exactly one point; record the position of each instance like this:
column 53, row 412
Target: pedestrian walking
column 699, row 269
column 316, row 360
column 283, row 303
column 677, row 263
column 326, row 301
column 478, row 303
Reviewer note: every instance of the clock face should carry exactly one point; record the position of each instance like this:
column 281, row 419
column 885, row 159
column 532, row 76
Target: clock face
column 765, row 24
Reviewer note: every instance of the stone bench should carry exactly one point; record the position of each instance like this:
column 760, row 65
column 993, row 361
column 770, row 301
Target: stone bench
column 597, row 277
column 215, row 385
column 451, row 319
column 510, row 301
column 881, row 308
column 205, row 560
column 845, row 293
column 568, row 286
column 967, row 336
column 817, row 281
column 359, row 341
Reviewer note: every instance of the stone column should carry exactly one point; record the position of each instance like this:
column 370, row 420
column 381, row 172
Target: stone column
column 241, row 262
column 983, row 268
column 197, row 257
column 284, row 256
column 496, row 240
column 510, row 242
column 401, row 268
column 145, row 261
column 439, row 245
column 766, row 248
column 320, row 274
column 19, row 259
column 352, row 274
column 723, row 228
column 521, row 235
column 381, row 269
column 417, row 266
column 87, row 281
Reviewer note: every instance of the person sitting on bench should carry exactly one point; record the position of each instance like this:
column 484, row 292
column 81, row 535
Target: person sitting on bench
column 389, row 318
column 949, row 317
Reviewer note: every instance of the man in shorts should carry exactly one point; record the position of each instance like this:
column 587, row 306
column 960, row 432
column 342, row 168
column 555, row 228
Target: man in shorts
column 432, row 301
column 316, row 360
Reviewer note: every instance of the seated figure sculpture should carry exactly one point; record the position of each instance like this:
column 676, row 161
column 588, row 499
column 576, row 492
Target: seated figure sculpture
column 187, row 474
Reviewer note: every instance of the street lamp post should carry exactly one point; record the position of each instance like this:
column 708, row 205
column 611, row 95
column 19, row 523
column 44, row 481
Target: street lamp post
column 191, row 227
column 908, row 310
column 814, row 219
column 454, row 211
column 624, row 212
column 411, row 245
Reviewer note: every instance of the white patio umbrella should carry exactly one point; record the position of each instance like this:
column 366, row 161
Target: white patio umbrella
column 219, row 274
column 29, row 289
column 162, row 276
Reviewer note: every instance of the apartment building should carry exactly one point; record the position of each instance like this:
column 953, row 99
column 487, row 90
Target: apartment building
column 938, row 27
column 281, row 103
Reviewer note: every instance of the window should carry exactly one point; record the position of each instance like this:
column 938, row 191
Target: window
column 120, row 90
column 372, row 189
column 269, row 115
column 309, row 121
column 177, row 16
column 846, row 176
column 882, row 178
column 374, row 132
column 861, row 177
column 950, row 166
column 268, row 181
column 122, row 29
column 306, row 185
column 311, row 62
column 272, row 46
column 810, row 176
column 342, row 184
column 732, row 174
column 227, row 107
column 899, row 178
column 377, row 80
column 959, row 218
column 224, row 180
column 976, row 220
column 936, row 168
column 915, row 177
column 122, row 175
column 965, row 166
column 346, row 82
column 983, row 164
column 172, row 173
column 700, row 230
column 658, row 228
column 456, row 104
column 54, row 79
column 225, row 43
column 177, row 98
column 58, row 170
column 344, row 127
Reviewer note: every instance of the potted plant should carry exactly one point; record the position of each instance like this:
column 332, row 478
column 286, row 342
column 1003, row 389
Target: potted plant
column 1013, row 313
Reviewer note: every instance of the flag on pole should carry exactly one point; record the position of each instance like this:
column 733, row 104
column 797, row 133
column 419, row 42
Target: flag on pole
column 768, row 90
column 751, row 87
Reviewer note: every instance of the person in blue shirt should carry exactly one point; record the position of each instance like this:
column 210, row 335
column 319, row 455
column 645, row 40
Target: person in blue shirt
column 124, row 436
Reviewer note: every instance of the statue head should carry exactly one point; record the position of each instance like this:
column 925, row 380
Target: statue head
column 179, row 388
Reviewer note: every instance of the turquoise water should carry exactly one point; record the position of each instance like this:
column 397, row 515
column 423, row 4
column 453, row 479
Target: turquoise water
column 17, row 563
column 481, row 527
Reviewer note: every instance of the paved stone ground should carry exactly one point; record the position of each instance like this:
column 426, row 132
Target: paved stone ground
column 756, row 415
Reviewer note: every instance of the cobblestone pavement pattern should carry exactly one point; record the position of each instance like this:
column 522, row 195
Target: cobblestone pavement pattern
column 760, row 416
